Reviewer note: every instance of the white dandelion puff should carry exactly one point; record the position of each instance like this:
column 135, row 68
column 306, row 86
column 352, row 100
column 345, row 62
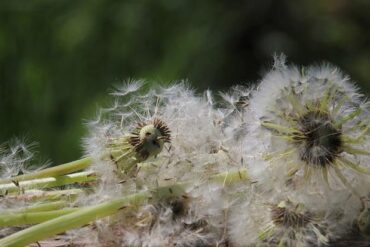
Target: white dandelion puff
column 169, row 224
column 311, row 123
column 15, row 158
column 267, row 219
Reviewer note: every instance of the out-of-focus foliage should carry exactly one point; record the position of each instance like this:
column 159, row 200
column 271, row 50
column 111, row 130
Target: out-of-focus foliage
column 59, row 58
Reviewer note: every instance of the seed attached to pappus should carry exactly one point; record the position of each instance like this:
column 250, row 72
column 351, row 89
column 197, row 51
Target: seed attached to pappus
column 283, row 216
column 148, row 139
column 145, row 141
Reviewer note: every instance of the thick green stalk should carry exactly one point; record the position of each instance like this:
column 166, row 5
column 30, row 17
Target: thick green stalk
column 52, row 171
column 69, row 221
column 43, row 207
column 18, row 219
column 86, row 215
column 49, row 182
column 36, row 195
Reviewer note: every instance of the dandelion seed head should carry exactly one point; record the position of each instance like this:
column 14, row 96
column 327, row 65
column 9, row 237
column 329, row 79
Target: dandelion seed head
column 270, row 220
column 309, row 123
column 169, row 223
column 285, row 216
column 163, row 135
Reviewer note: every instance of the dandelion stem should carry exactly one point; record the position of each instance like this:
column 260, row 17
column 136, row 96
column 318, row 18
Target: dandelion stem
column 35, row 195
column 43, row 207
column 69, row 221
column 49, row 182
column 86, row 215
column 29, row 218
column 52, row 171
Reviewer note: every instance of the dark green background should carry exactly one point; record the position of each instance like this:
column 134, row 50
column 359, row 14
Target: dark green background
column 59, row 58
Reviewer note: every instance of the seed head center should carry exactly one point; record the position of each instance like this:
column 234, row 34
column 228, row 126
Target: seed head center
column 285, row 217
column 148, row 139
column 322, row 140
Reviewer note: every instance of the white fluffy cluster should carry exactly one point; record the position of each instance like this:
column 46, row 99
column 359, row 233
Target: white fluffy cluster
column 307, row 145
column 301, row 134
column 15, row 158
column 196, row 148
column 196, row 152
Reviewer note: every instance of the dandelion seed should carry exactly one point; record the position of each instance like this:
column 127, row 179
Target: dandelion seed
column 15, row 157
column 147, row 140
column 129, row 132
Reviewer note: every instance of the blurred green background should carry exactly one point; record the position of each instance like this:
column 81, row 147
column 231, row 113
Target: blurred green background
column 58, row 59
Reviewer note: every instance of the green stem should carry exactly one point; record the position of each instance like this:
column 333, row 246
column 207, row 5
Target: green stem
column 80, row 177
column 52, row 171
column 43, row 207
column 36, row 195
column 86, row 215
column 18, row 219
column 69, row 221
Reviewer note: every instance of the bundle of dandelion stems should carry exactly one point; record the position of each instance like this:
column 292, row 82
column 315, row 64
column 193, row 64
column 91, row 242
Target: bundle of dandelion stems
column 53, row 216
